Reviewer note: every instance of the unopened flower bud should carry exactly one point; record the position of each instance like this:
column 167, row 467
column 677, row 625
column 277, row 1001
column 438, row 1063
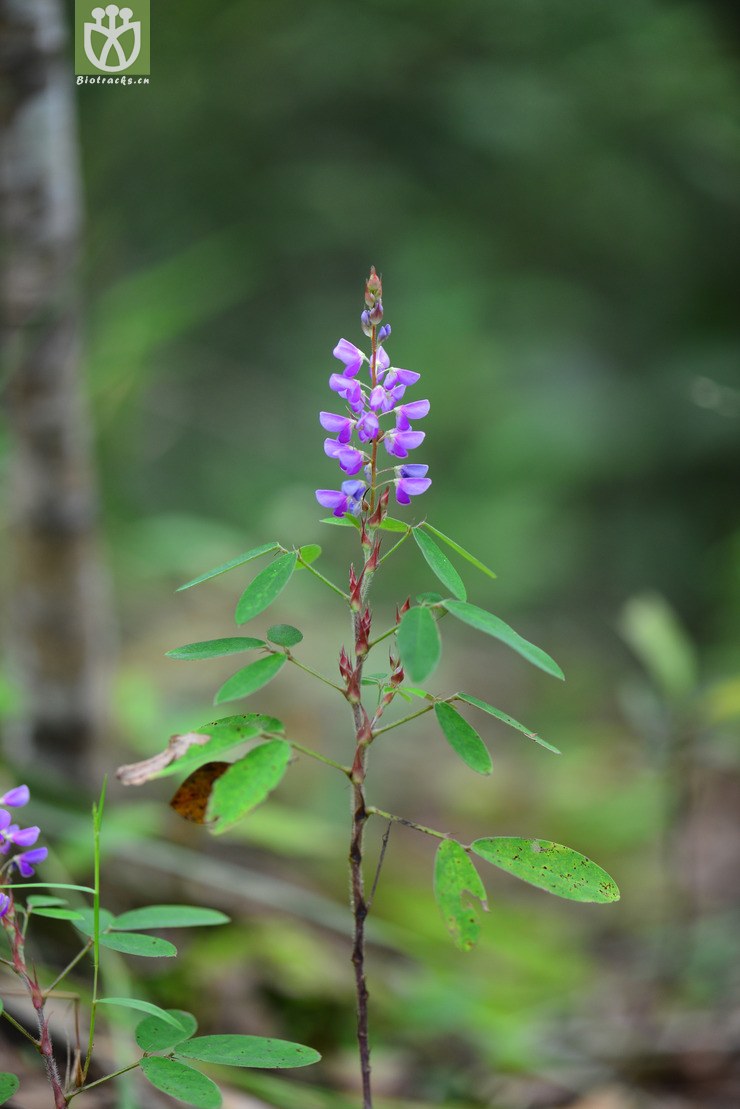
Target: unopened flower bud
column 373, row 288
column 376, row 312
column 384, row 333
column 367, row 327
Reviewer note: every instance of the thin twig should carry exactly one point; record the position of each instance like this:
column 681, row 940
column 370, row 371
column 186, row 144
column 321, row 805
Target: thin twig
column 381, row 857
column 372, row 811
column 347, row 770
column 312, row 672
column 321, row 577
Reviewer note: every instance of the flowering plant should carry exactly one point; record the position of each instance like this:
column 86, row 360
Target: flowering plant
column 166, row 1038
column 218, row 793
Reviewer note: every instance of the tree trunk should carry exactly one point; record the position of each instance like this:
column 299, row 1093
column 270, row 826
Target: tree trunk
column 60, row 627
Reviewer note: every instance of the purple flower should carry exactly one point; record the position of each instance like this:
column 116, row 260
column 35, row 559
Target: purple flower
column 16, row 797
column 349, row 389
column 411, row 481
column 341, row 426
column 416, row 410
column 350, row 460
column 348, row 500
column 29, row 859
column 4, row 904
column 368, row 427
column 401, row 377
column 399, row 443
column 21, row 837
column 351, row 355
column 382, row 362
column 4, row 820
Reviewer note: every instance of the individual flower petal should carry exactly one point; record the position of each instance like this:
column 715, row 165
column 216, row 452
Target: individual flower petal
column 349, row 458
column 379, row 399
column 4, row 819
column 382, row 361
column 347, row 388
column 411, row 487
column 404, row 377
column 399, row 443
column 29, row 859
column 4, row 904
column 414, row 410
column 351, row 355
column 412, row 469
column 341, row 426
column 22, row 837
column 16, row 797
column 332, row 498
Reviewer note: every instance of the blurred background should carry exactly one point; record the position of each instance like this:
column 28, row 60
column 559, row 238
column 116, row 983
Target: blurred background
column 551, row 194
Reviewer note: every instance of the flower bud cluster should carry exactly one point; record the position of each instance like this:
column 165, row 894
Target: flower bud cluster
column 359, row 429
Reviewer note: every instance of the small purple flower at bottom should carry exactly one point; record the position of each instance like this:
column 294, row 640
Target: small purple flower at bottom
column 29, row 859
column 4, row 904
column 348, row 500
column 349, row 458
column 411, row 481
column 16, row 797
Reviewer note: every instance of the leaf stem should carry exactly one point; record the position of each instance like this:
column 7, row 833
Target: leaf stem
column 372, row 811
column 405, row 719
column 316, row 574
column 97, row 822
column 347, row 770
column 20, row 1028
column 380, row 638
column 70, row 966
column 388, row 553
column 314, row 673
column 105, row 1078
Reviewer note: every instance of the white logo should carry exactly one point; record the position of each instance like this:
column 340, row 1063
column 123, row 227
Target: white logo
column 112, row 31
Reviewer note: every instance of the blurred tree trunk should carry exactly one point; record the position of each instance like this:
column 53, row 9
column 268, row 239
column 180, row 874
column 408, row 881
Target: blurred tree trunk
column 60, row 625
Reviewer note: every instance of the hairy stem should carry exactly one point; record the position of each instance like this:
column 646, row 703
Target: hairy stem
column 370, row 810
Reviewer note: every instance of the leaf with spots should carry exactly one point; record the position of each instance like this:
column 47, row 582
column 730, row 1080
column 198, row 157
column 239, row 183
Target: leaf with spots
column 456, row 885
column 550, row 866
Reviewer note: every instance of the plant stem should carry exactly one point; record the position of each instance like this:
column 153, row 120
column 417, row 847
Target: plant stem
column 387, row 554
column 347, row 770
column 312, row 672
column 372, row 811
column 321, row 577
column 70, row 966
column 105, row 1078
column 97, row 821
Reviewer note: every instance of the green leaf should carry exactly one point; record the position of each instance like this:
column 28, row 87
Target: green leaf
column 453, row 545
column 168, row 916
column 247, row 783
column 341, row 521
column 416, row 692
column 228, row 732
column 181, row 1082
column 440, row 565
column 153, row 1034
column 463, row 738
column 39, row 900
column 308, row 554
column 85, row 922
column 144, row 1007
column 58, row 914
column 552, row 867
column 250, row 678
column 454, row 877
column 46, row 886
column 215, row 648
column 389, row 524
column 419, row 643
column 504, row 716
column 8, row 1085
column 285, row 635
column 238, row 561
column 133, row 943
column 429, row 598
column 266, row 587
column 486, row 622
column 248, row 1051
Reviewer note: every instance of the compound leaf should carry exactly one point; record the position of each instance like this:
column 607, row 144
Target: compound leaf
column 154, row 1034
